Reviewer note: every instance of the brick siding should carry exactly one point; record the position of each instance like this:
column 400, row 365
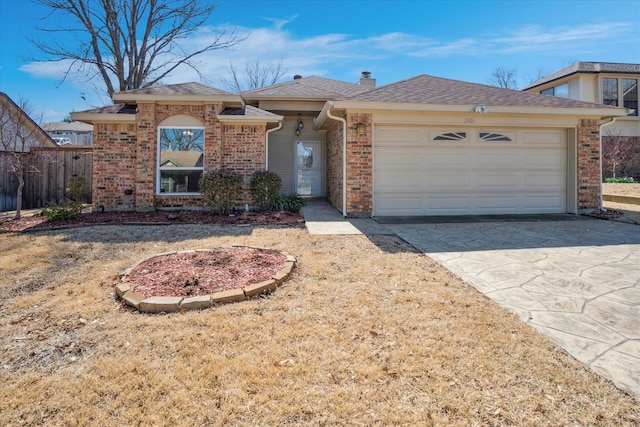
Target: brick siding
column 334, row 165
column 589, row 188
column 359, row 166
column 125, row 156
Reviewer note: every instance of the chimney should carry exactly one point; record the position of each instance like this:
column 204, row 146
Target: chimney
column 366, row 80
column 297, row 77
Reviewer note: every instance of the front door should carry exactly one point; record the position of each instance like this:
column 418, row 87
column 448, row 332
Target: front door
column 308, row 168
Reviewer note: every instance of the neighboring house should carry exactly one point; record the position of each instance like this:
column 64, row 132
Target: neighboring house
column 421, row 146
column 13, row 119
column 76, row 133
column 603, row 83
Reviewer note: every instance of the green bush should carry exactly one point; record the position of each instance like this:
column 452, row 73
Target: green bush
column 291, row 203
column 220, row 188
column 64, row 211
column 624, row 180
column 76, row 190
column 71, row 206
column 265, row 187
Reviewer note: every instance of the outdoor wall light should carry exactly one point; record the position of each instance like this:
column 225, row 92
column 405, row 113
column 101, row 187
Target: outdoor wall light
column 480, row 109
column 361, row 128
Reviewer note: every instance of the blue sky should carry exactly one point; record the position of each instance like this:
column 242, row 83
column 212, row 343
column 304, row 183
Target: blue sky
column 394, row 40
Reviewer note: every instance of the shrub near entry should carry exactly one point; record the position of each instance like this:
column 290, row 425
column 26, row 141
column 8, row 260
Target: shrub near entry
column 265, row 187
column 220, row 188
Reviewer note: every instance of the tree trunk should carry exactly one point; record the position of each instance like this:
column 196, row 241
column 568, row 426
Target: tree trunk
column 19, row 196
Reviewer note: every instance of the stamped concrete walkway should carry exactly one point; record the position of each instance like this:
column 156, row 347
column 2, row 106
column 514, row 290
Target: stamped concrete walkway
column 576, row 280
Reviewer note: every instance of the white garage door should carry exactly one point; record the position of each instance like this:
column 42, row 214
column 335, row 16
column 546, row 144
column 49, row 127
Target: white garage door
column 426, row 171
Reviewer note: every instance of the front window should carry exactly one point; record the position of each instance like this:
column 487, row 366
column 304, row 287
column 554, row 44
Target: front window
column 610, row 92
column 630, row 95
column 561, row 91
column 180, row 159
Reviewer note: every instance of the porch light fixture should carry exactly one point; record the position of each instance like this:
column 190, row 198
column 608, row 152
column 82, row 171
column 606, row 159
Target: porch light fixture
column 361, row 128
column 480, row 109
column 300, row 124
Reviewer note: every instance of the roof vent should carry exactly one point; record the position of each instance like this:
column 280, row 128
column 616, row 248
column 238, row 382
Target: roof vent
column 297, row 77
column 366, row 80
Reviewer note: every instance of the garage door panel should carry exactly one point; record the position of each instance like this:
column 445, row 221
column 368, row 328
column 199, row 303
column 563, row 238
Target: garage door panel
column 468, row 174
column 488, row 181
column 539, row 180
column 551, row 159
column 408, row 181
column 443, row 181
column 496, row 160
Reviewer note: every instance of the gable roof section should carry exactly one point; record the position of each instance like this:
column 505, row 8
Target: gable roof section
column 306, row 88
column 424, row 89
column 14, row 109
column 248, row 114
column 587, row 68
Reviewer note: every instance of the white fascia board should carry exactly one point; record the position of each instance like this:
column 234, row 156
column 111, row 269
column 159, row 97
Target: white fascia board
column 462, row 108
column 251, row 119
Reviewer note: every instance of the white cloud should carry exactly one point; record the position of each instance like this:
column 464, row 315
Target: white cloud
column 53, row 70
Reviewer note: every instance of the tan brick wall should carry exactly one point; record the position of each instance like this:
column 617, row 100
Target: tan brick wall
column 334, row 165
column 588, row 165
column 126, row 156
column 359, row 166
column 114, row 165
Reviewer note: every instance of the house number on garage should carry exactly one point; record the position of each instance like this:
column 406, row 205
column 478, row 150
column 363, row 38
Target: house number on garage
column 468, row 121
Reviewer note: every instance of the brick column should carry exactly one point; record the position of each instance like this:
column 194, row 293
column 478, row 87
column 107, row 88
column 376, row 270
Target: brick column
column 146, row 156
column 334, row 166
column 589, row 186
column 359, row 166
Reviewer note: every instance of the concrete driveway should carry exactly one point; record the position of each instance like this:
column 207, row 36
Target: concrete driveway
column 575, row 280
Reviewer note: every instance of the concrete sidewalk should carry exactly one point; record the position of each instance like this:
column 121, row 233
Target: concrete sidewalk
column 576, row 280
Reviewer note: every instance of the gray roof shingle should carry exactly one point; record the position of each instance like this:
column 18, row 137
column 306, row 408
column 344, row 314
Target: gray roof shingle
column 307, row 87
column 191, row 88
column 424, row 89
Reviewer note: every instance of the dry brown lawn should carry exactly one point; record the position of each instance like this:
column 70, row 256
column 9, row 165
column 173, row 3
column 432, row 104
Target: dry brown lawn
column 366, row 332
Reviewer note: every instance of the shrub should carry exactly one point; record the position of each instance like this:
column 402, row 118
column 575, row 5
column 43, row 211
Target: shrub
column 220, row 188
column 71, row 207
column 624, row 180
column 291, row 203
column 76, row 190
column 64, row 211
column 265, row 187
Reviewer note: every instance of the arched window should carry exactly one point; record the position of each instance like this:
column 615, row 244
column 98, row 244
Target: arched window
column 180, row 155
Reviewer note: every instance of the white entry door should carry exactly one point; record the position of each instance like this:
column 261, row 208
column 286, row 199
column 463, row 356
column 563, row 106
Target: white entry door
column 308, row 168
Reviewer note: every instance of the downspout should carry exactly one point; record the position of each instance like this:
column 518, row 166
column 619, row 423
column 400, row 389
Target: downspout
column 344, row 157
column 610, row 122
column 266, row 148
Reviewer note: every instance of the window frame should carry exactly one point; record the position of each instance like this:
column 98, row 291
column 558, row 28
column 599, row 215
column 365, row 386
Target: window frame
column 620, row 99
column 160, row 169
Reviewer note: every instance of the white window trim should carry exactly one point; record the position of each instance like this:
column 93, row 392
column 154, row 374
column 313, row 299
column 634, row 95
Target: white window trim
column 159, row 156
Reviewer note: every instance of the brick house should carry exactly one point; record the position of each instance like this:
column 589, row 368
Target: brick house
column 421, row 146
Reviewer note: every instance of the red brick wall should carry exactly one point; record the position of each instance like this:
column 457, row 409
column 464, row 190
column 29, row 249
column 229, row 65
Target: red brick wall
column 588, row 165
column 334, row 165
column 244, row 151
column 114, row 165
column 359, row 166
column 125, row 156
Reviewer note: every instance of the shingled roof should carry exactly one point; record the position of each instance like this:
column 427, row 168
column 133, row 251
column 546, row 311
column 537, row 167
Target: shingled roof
column 306, row 88
column 424, row 89
column 588, row 68
column 191, row 88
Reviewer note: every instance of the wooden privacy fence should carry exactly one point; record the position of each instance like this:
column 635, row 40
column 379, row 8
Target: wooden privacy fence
column 54, row 167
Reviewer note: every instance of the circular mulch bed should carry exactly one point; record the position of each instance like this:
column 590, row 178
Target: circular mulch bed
column 204, row 272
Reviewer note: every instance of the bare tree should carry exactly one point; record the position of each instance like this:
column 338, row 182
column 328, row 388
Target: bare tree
column 129, row 44
column 256, row 75
column 537, row 75
column 504, row 78
column 19, row 137
column 617, row 151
